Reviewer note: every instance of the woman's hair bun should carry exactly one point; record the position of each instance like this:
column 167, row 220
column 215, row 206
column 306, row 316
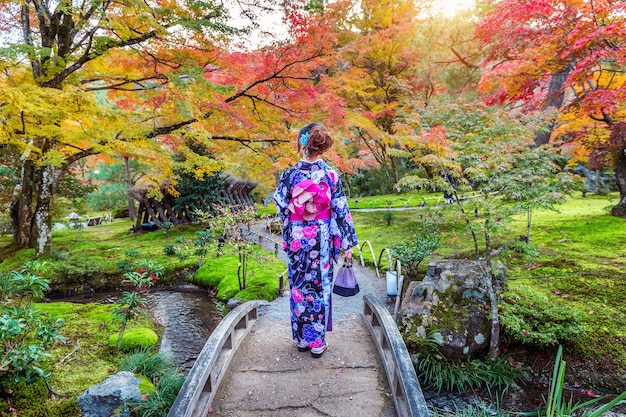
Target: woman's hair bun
column 319, row 140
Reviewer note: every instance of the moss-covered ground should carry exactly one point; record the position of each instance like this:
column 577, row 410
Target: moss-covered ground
column 580, row 259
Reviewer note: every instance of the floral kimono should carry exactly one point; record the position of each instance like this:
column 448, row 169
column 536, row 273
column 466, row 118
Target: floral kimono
column 316, row 225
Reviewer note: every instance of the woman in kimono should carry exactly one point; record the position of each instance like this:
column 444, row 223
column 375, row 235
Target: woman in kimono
column 317, row 229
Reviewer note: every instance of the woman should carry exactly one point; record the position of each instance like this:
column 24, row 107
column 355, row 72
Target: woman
column 317, row 226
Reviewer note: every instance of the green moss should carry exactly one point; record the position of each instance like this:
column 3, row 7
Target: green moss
column 530, row 317
column 31, row 400
column 220, row 273
column 145, row 387
column 135, row 338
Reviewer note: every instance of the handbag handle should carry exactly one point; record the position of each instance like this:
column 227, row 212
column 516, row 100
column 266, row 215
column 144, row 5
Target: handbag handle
column 347, row 262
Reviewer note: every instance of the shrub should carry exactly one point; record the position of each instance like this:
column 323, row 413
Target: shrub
column 80, row 268
column 169, row 249
column 158, row 368
column 532, row 318
column 411, row 253
column 388, row 217
column 159, row 403
column 135, row 338
column 145, row 362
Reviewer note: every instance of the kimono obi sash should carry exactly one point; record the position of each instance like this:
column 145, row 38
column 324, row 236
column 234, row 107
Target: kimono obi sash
column 310, row 201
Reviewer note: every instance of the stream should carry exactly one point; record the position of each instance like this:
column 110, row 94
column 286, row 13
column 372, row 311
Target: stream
column 187, row 314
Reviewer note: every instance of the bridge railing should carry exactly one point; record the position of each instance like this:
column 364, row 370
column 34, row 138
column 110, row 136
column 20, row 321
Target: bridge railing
column 203, row 381
column 401, row 377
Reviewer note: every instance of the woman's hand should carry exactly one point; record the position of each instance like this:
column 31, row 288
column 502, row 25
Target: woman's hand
column 347, row 254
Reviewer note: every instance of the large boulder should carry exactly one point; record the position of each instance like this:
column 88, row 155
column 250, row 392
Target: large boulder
column 452, row 301
column 110, row 397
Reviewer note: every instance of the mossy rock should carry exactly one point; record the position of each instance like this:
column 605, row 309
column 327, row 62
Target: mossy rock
column 135, row 338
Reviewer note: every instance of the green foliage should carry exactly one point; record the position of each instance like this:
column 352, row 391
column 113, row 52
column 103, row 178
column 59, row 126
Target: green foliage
column 107, row 197
column 159, row 403
column 529, row 317
column 134, row 338
column 169, row 249
column 147, row 363
column 80, row 268
column 131, row 304
column 25, row 333
column 372, row 182
column 157, row 368
column 461, row 376
column 167, row 226
column 437, row 373
column 558, row 406
column 411, row 253
column 388, row 217
column 198, row 192
column 201, row 243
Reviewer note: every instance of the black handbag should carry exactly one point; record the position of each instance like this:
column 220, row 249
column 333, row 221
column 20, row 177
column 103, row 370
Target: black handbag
column 345, row 282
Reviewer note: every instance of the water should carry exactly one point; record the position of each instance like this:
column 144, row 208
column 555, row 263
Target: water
column 187, row 314
column 188, row 319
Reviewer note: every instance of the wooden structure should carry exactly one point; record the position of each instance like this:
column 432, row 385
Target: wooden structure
column 153, row 213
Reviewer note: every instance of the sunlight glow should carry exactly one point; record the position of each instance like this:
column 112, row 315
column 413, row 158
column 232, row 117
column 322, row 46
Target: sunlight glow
column 449, row 8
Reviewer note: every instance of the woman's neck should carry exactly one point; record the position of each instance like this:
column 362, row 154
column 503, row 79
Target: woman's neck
column 310, row 160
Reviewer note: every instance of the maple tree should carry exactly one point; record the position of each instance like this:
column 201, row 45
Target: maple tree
column 373, row 73
column 482, row 156
column 137, row 80
column 568, row 58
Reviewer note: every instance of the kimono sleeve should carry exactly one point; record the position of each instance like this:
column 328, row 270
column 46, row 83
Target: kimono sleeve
column 342, row 227
column 282, row 196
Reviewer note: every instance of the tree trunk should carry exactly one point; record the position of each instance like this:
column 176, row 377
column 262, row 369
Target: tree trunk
column 554, row 99
column 129, row 185
column 43, row 217
column 21, row 207
column 620, row 177
column 494, row 341
column 528, row 223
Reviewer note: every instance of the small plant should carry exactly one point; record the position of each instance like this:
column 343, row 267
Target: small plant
column 388, row 217
column 158, row 369
column 146, row 363
column 437, row 373
column 167, row 226
column 411, row 253
column 159, row 402
column 558, row 406
column 130, row 255
column 25, row 333
column 221, row 308
column 169, row 249
column 132, row 303
column 201, row 243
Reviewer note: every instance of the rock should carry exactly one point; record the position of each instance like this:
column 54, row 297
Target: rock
column 233, row 302
column 111, row 396
column 452, row 300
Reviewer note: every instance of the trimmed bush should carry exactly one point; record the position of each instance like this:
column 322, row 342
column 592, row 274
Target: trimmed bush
column 135, row 338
